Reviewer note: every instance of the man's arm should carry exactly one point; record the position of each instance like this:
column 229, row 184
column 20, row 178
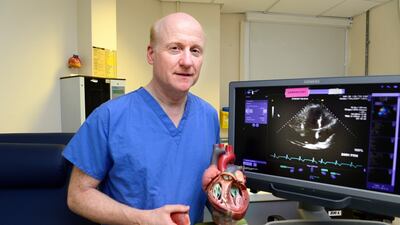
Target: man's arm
column 86, row 200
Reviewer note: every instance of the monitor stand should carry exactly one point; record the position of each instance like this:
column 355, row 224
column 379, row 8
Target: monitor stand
column 316, row 215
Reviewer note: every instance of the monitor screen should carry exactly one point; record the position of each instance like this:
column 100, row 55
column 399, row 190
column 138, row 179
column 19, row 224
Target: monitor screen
column 329, row 141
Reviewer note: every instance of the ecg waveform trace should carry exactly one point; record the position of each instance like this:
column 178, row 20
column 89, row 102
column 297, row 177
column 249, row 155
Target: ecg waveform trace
column 321, row 161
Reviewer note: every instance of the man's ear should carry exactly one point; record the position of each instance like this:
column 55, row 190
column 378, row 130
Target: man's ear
column 150, row 54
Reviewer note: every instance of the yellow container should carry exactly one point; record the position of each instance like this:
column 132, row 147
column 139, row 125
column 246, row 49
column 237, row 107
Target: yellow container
column 224, row 119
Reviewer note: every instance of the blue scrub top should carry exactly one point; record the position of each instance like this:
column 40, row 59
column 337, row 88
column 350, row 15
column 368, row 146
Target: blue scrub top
column 142, row 159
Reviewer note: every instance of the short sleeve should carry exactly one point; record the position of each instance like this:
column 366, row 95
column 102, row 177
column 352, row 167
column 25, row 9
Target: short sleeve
column 217, row 128
column 88, row 149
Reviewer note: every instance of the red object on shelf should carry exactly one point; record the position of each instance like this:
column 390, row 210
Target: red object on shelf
column 74, row 62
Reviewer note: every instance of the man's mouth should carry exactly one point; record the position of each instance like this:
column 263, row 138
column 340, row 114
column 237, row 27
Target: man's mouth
column 184, row 74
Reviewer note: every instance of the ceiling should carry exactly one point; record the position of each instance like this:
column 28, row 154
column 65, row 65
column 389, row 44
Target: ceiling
column 329, row 8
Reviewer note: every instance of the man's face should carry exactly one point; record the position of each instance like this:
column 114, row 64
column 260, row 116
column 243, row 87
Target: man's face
column 177, row 55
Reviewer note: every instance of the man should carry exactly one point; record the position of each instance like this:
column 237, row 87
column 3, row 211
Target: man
column 141, row 157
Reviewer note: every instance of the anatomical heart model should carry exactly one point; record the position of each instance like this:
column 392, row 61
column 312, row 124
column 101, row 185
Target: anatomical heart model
column 227, row 192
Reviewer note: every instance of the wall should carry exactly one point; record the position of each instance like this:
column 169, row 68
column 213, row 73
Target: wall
column 37, row 37
column 230, row 56
column 280, row 47
column 97, row 27
column 230, row 53
column 134, row 19
column 384, row 47
column 356, row 57
column 104, row 24
column 385, row 39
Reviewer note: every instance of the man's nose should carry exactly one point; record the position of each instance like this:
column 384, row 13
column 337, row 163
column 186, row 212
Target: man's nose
column 186, row 58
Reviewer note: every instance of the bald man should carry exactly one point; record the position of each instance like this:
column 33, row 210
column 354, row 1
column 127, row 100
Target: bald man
column 141, row 157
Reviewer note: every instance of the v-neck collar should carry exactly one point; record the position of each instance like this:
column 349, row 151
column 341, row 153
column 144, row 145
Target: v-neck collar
column 162, row 115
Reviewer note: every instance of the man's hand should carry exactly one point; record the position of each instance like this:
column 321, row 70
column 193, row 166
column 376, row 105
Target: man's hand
column 209, row 174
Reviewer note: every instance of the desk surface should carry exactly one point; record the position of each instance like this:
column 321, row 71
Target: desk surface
column 262, row 196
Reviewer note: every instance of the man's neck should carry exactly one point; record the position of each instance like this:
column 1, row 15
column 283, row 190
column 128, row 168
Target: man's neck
column 173, row 105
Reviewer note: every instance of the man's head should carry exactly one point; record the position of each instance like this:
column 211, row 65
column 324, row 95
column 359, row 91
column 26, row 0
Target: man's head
column 176, row 52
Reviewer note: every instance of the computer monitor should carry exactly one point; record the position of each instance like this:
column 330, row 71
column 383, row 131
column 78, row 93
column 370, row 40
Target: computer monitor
column 332, row 142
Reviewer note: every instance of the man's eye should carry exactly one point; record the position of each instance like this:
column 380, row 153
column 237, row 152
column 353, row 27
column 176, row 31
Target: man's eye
column 174, row 49
column 196, row 52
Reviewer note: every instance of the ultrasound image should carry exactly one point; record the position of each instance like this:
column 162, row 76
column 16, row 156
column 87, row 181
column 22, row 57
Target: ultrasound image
column 314, row 125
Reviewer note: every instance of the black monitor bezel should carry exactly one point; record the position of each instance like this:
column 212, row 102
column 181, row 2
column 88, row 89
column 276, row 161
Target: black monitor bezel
column 308, row 191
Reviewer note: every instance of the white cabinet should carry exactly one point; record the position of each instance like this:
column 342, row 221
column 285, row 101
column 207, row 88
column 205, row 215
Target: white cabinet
column 80, row 95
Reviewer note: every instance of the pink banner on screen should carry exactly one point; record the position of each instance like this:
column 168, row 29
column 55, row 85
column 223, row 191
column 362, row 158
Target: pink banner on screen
column 297, row 92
